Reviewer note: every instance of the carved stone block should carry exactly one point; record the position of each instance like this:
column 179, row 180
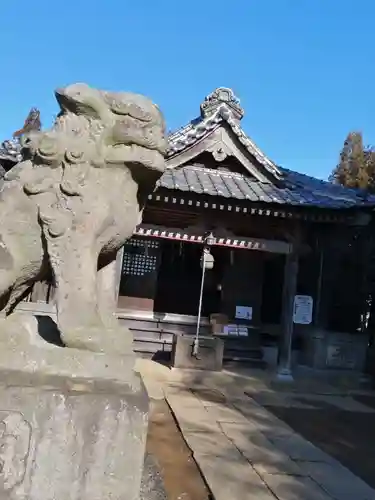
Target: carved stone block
column 73, row 425
column 210, row 354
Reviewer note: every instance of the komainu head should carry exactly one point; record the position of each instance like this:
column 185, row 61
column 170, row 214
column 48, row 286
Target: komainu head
column 131, row 126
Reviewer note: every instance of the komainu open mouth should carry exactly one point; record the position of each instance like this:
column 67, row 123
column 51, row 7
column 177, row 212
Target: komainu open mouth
column 136, row 154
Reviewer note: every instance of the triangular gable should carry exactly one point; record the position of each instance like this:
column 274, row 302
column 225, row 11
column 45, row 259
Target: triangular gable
column 248, row 175
column 218, row 131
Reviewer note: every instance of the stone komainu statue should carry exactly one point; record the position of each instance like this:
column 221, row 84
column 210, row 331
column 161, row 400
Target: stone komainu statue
column 72, row 202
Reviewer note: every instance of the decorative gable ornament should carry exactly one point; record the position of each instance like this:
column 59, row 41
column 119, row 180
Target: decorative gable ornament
column 220, row 97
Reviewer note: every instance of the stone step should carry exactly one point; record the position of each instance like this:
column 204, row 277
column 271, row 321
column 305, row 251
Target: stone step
column 153, row 341
column 245, row 353
column 140, row 324
column 151, row 346
column 187, row 329
column 242, row 343
column 140, row 334
column 163, row 326
column 248, row 361
column 145, row 336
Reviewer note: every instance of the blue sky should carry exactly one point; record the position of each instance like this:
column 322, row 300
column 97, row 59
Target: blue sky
column 303, row 69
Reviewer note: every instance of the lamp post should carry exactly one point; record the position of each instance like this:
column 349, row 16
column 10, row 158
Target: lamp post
column 207, row 262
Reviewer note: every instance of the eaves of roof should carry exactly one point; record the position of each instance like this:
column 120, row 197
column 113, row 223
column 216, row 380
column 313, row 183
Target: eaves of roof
column 222, row 107
column 298, row 190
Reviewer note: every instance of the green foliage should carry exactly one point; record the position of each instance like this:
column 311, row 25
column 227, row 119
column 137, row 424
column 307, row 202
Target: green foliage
column 356, row 168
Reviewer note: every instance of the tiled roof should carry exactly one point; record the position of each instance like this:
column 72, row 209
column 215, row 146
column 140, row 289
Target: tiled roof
column 290, row 188
column 224, row 109
column 299, row 190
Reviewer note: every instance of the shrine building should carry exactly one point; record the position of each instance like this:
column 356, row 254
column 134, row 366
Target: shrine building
column 279, row 241
column 275, row 236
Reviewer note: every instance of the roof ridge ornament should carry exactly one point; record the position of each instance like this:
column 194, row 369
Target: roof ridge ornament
column 10, row 150
column 220, row 97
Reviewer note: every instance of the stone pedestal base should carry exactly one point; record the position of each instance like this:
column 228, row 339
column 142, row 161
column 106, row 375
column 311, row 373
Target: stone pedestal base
column 73, row 424
column 209, row 356
column 284, row 375
column 336, row 350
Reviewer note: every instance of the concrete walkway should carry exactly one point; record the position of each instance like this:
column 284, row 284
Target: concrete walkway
column 243, row 451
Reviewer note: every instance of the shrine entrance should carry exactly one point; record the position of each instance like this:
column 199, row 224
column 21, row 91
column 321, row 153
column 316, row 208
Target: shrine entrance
column 179, row 280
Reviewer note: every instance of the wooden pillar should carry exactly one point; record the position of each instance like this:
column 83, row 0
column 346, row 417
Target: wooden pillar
column 318, row 321
column 284, row 369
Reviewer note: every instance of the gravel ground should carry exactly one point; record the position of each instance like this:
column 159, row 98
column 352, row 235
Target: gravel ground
column 152, row 487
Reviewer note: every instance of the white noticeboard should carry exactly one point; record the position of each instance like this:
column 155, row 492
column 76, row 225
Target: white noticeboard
column 303, row 309
column 244, row 312
column 235, row 331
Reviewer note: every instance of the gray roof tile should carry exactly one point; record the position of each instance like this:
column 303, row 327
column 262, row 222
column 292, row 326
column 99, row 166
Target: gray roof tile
column 222, row 106
column 299, row 190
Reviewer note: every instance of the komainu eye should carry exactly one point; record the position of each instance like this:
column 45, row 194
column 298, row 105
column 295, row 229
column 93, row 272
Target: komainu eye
column 136, row 112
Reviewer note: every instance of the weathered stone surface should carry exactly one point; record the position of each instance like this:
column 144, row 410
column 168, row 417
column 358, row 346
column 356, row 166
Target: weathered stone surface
column 222, row 413
column 235, row 479
column 295, row 488
column 73, row 424
column 297, row 448
column 73, row 201
column 338, row 481
column 261, row 453
column 210, row 354
column 211, row 443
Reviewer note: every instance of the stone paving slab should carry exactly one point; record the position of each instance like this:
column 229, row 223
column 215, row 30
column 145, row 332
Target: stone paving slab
column 229, row 480
column 225, row 414
column 185, row 401
column 297, row 448
column 246, row 452
column 212, row 443
column 264, row 420
column 264, row 457
column 338, row 481
column 296, row 488
column 154, row 389
column 210, row 396
column 198, row 427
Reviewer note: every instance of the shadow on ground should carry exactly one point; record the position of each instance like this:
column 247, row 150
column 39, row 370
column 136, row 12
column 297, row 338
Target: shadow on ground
column 347, row 436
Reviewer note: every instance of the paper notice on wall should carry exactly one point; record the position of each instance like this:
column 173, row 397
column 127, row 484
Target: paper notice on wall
column 235, row 331
column 231, row 330
column 243, row 331
column 244, row 312
column 303, row 309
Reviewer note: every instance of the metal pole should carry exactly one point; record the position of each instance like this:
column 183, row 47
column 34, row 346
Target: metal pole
column 196, row 340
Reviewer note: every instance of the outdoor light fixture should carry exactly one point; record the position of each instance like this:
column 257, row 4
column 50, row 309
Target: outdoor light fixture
column 207, row 259
column 209, row 239
column 207, row 262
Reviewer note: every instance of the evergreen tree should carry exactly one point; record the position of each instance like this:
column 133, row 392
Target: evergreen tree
column 356, row 168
